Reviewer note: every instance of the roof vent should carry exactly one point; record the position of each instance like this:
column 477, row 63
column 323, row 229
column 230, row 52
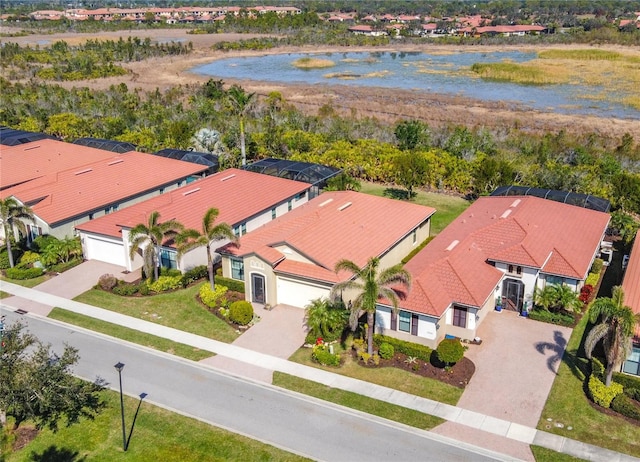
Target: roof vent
column 228, row 177
column 32, row 147
column 452, row 245
column 119, row 161
column 191, row 191
column 344, row 206
column 325, row 202
column 515, row 203
column 86, row 170
column 506, row 213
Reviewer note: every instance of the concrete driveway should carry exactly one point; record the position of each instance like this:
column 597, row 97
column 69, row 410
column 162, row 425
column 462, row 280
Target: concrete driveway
column 515, row 368
column 280, row 332
column 72, row 283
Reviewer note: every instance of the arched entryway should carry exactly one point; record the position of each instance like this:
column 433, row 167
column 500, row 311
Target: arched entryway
column 513, row 295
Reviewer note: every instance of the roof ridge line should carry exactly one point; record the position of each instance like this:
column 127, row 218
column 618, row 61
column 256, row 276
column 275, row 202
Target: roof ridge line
column 461, row 280
column 567, row 261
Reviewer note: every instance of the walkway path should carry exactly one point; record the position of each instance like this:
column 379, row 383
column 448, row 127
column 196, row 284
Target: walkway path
column 459, row 415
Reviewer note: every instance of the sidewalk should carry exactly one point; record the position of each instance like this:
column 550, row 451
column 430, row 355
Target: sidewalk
column 464, row 417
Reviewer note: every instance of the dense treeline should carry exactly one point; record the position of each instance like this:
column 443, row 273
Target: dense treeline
column 455, row 158
column 93, row 59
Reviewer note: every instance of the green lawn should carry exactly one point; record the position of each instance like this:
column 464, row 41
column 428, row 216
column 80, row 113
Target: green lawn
column 547, row 455
column 388, row 377
column 568, row 404
column 447, row 207
column 159, row 435
column 27, row 282
column 178, row 309
column 355, row 401
column 130, row 335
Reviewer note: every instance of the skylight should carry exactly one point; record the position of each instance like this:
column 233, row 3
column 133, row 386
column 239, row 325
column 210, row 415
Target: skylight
column 452, row 245
column 86, row 170
column 227, row 177
column 506, row 213
column 191, row 191
column 325, row 202
column 344, row 206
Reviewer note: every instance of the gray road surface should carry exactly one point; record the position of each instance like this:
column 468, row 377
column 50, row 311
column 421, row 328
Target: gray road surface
column 299, row 424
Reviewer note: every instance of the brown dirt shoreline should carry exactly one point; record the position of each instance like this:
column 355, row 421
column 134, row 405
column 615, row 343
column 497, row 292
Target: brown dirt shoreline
column 388, row 105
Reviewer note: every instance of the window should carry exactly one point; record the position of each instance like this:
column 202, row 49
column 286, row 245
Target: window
column 404, row 323
column 243, row 229
column 161, row 190
column 515, row 269
column 289, row 205
column 236, row 231
column 33, row 231
column 111, row 208
column 460, row 317
column 237, row 268
column 414, row 324
column 91, row 216
column 273, row 214
column 632, row 364
column 300, row 196
column 554, row 280
column 415, row 236
column 168, row 259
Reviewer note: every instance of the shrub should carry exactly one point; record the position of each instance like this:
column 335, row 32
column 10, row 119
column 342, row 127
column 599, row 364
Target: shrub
column 143, row 288
column 64, row 266
column 592, row 279
column 376, row 359
column 417, row 249
column 596, row 268
column 125, row 289
column 560, row 319
column 450, row 351
column 386, row 350
column 42, row 242
column 194, row 274
column 165, row 283
column 627, row 381
column 24, row 273
column 241, row 312
column 322, row 355
column 171, row 272
column 28, row 259
column 212, row 298
column 597, row 368
column 359, row 345
column 107, row 282
column 633, row 393
column 364, row 356
column 232, row 284
column 626, row 406
column 407, row 348
column 585, row 293
column 4, row 257
column 601, row 394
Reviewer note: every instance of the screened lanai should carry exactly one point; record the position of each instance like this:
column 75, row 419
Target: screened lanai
column 202, row 158
column 586, row 201
column 12, row 137
column 119, row 147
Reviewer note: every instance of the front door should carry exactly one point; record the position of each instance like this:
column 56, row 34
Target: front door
column 514, row 293
column 257, row 288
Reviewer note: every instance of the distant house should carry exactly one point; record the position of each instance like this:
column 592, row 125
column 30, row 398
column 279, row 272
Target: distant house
column 517, row 30
column 365, row 29
column 291, row 260
column 66, row 184
column 631, row 287
column 499, row 249
column 246, row 201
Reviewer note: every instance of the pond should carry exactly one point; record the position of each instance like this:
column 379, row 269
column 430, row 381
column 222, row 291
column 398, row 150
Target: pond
column 447, row 73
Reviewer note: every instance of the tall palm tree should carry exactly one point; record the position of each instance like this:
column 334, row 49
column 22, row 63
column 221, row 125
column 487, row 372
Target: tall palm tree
column 371, row 285
column 190, row 239
column 11, row 215
column 616, row 327
column 240, row 102
column 149, row 237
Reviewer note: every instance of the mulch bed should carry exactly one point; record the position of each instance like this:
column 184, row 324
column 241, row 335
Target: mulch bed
column 231, row 296
column 459, row 375
column 24, row 435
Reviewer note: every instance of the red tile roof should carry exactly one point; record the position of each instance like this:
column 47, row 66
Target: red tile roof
column 66, row 194
column 333, row 226
column 631, row 284
column 237, row 194
column 32, row 160
column 455, row 267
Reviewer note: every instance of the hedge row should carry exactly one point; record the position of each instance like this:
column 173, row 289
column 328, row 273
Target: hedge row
column 559, row 319
column 626, row 380
column 24, row 273
column 417, row 249
column 232, row 284
column 408, row 348
column 601, row 394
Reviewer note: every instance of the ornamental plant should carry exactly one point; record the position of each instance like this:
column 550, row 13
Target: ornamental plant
column 450, row 351
column 241, row 312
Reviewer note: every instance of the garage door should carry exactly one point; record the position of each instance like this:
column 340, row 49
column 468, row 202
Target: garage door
column 298, row 293
column 104, row 250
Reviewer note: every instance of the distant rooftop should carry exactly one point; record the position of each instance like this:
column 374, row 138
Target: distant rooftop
column 119, row 147
column 12, row 137
column 586, row 201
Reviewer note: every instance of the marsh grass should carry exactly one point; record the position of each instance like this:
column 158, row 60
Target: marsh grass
column 313, row 63
column 583, row 55
column 524, row 74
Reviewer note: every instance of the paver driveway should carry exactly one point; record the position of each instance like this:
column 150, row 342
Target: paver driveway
column 515, row 368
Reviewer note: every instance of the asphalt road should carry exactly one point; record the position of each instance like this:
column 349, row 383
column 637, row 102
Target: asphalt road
column 293, row 422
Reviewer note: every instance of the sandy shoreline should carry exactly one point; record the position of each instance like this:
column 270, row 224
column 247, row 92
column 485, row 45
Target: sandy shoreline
column 384, row 104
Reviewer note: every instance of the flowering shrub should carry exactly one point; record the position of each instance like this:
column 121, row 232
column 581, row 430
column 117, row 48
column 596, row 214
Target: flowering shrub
column 585, row 293
column 322, row 355
column 164, row 283
column 212, row 298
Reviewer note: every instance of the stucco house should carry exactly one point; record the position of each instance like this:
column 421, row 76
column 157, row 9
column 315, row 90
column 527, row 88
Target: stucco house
column 500, row 248
column 631, row 288
column 291, row 260
column 245, row 200
column 67, row 184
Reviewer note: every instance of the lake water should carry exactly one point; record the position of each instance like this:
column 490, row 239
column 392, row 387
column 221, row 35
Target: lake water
column 438, row 73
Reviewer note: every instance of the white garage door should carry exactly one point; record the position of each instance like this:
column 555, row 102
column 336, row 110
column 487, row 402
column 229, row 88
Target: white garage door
column 104, row 250
column 298, row 293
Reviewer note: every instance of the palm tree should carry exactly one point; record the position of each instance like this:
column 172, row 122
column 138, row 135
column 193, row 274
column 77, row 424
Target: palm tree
column 557, row 297
column 324, row 319
column 240, row 101
column 11, row 215
column 371, row 286
column 616, row 326
column 190, row 239
column 151, row 236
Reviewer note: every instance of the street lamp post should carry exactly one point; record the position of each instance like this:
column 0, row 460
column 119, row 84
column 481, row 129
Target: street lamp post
column 119, row 368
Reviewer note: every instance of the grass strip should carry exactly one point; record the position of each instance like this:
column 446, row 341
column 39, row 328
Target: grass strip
column 352, row 400
column 159, row 435
column 548, row 455
column 30, row 283
column 130, row 335
column 567, row 404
